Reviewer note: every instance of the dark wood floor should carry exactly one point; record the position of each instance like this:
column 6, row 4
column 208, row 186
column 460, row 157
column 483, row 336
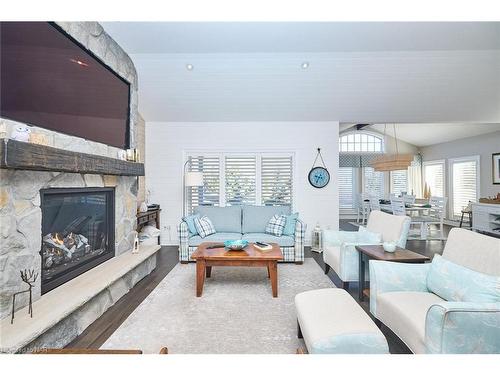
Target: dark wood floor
column 99, row 331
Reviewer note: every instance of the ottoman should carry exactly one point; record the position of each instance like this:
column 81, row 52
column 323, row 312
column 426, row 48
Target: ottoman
column 331, row 322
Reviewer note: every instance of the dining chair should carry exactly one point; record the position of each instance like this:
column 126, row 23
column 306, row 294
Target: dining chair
column 436, row 215
column 398, row 206
column 409, row 199
column 374, row 203
column 363, row 208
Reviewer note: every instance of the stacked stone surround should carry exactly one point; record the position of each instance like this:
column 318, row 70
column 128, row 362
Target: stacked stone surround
column 20, row 212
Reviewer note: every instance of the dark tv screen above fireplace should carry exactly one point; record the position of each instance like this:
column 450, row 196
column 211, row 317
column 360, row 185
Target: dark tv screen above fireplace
column 49, row 80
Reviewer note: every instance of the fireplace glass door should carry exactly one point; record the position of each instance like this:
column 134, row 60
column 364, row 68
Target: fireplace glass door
column 77, row 232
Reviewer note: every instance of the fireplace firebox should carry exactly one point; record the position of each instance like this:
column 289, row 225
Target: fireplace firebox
column 78, row 232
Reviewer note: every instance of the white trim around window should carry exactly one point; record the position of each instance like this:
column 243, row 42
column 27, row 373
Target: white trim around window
column 442, row 164
column 473, row 196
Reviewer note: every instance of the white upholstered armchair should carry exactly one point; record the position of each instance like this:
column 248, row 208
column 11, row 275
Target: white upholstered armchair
column 339, row 246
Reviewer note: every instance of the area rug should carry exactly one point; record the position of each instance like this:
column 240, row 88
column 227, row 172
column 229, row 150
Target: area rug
column 236, row 313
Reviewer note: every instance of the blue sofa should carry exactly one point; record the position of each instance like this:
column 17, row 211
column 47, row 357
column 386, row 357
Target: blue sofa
column 243, row 222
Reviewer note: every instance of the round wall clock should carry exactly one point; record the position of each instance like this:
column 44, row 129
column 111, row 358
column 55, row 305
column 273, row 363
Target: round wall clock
column 319, row 177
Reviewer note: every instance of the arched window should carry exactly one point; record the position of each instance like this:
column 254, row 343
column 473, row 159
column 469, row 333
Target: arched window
column 361, row 142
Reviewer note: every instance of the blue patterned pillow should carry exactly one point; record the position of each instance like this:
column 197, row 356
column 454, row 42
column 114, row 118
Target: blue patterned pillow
column 189, row 220
column 453, row 282
column 276, row 225
column 291, row 220
column 204, row 226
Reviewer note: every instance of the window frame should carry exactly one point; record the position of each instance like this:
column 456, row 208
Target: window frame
column 361, row 133
column 451, row 161
column 258, row 170
column 441, row 162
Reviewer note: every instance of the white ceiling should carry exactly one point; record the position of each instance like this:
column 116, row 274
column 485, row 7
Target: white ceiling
column 422, row 135
column 359, row 72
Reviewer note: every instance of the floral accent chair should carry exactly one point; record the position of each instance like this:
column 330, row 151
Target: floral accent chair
column 451, row 305
column 340, row 253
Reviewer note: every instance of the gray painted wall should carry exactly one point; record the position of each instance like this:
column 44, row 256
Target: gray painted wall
column 482, row 145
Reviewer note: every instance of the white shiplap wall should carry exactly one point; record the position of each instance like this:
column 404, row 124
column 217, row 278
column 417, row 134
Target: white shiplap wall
column 167, row 144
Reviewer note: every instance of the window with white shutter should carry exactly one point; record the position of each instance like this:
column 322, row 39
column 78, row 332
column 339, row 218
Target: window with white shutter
column 434, row 177
column 373, row 182
column 399, row 181
column 240, row 172
column 347, row 197
column 276, row 180
column 208, row 194
column 464, row 183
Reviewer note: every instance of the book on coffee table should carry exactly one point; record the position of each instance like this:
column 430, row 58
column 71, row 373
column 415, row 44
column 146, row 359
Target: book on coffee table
column 263, row 248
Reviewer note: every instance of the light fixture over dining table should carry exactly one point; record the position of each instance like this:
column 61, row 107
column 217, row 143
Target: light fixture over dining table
column 393, row 161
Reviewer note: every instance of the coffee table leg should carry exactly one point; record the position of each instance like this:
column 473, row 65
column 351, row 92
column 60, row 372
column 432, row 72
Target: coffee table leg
column 273, row 273
column 209, row 271
column 268, row 272
column 200, row 277
column 361, row 283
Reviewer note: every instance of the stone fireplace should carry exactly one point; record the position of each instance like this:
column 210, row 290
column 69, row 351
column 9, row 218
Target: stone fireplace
column 72, row 220
column 78, row 232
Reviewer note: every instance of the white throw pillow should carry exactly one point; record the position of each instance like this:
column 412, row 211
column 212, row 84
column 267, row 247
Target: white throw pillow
column 204, row 226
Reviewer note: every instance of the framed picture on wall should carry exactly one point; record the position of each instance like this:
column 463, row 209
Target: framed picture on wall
column 496, row 168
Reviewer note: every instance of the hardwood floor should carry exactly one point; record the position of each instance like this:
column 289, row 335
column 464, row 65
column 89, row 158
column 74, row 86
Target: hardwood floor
column 99, row 331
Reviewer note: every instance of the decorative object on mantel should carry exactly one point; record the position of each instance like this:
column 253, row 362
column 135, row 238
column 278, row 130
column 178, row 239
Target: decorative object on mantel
column 29, row 277
column 491, row 200
column 317, row 239
column 495, row 160
column 3, row 130
column 21, row 133
column 135, row 248
column 143, row 207
column 132, row 154
column 39, row 139
column 319, row 177
column 392, row 162
column 122, row 154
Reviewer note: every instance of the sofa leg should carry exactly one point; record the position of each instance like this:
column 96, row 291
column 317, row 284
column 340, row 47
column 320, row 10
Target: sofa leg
column 184, row 262
column 327, row 268
column 345, row 285
column 299, row 262
column 299, row 331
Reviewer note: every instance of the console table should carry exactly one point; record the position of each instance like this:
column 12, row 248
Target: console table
column 145, row 217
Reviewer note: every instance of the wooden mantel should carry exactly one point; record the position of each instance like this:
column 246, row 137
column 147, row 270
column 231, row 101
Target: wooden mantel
column 29, row 156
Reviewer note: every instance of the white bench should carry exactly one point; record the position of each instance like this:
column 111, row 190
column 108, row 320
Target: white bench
column 331, row 322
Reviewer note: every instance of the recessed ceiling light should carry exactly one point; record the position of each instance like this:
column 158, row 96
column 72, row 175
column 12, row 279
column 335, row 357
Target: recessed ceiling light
column 189, row 66
column 305, row 65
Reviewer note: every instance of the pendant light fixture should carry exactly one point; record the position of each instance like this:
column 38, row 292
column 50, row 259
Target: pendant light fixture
column 392, row 162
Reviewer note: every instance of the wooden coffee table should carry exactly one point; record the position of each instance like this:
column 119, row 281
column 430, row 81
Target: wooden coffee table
column 367, row 252
column 250, row 256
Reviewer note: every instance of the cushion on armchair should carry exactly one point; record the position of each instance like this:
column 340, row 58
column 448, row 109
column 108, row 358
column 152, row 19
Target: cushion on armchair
column 453, row 282
column 368, row 237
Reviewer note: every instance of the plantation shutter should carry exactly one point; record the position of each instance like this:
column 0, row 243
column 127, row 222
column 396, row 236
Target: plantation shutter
column 464, row 184
column 399, row 181
column 434, row 178
column 276, row 180
column 240, row 180
column 346, row 188
column 207, row 195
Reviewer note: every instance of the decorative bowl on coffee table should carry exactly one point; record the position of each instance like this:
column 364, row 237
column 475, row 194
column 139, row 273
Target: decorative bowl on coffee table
column 236, row 244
